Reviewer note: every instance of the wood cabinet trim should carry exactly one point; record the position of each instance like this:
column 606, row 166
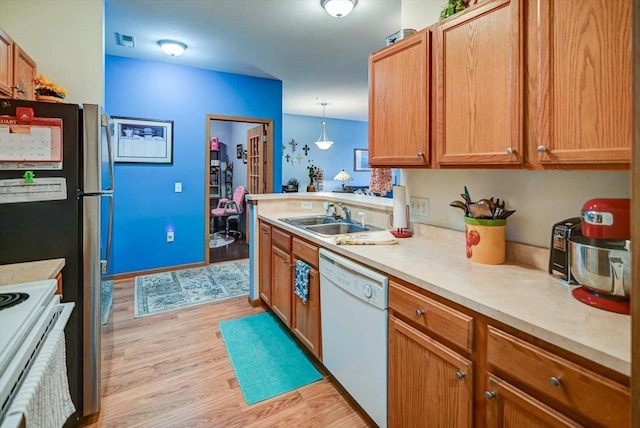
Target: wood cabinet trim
column 281, row 239
column 23, row 64
column 305, row 251
column 6, row 63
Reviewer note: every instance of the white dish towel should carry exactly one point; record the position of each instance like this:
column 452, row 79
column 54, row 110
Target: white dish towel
column 44, row 397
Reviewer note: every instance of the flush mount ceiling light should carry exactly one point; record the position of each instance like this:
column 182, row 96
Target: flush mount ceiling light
column 338, row 8
column 323, row 142
column 172, row 47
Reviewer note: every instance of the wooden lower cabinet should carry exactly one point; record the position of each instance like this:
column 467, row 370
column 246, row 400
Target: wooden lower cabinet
column 429, row 384
column 305, row 319
column 508, row 406
column 264, row 242
column 281, row 284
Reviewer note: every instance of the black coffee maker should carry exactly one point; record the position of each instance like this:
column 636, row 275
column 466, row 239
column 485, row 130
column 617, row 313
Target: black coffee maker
column 559, row 261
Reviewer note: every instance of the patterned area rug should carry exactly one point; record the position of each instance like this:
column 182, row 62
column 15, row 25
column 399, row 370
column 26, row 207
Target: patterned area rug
column 168, row 291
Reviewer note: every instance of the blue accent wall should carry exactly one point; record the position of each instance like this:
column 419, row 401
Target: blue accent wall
column 146, row 206
column 346, row 135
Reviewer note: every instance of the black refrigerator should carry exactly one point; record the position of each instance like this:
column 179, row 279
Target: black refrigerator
column 56, row 201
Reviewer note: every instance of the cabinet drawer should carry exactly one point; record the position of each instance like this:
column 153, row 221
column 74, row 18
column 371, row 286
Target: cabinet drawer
column 433, row 316
column 594, row 396
column 281, row 239
column 305, row 252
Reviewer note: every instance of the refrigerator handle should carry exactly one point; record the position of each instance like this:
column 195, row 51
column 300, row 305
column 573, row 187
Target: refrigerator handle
column 105, row 124
column 104, row 264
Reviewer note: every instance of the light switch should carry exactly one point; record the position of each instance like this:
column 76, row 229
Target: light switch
column 178, row 187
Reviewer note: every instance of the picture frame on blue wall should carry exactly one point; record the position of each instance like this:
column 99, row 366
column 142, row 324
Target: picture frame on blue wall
column 239, row 151
column 361, row 160
column 142, row 140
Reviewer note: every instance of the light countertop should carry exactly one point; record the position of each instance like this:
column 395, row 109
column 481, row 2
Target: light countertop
column 17, row 273
column 518, row 295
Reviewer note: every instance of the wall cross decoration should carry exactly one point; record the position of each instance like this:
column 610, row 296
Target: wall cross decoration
column 306, row 149
column 293, row 143
column 287, row 157
column 299, row 158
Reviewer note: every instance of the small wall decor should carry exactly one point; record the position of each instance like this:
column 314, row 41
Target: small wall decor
column 215, row 143
column 244, row 156
column 361, row 160
column 143, row 140
column 239, row 151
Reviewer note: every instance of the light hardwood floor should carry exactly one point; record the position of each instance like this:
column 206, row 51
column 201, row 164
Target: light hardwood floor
column 172, row 370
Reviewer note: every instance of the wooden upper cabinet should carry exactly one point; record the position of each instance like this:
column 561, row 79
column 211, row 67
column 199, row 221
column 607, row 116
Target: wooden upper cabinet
column 24, row 71
column 584, row 95
column 399, row 84
column 6, row 64
column 479, row 81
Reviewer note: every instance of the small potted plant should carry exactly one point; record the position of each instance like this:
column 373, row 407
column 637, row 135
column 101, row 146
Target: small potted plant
column 46, row 90
column 315, row 175
column 292, row 185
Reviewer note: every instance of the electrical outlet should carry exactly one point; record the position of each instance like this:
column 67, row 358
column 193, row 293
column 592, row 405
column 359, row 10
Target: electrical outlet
column 419, row 209
column 177, row 187
column 307, row 205
column 170, row 236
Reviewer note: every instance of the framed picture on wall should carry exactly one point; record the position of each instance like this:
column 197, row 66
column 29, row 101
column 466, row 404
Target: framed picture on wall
column 361, row 160
column 143, row 140
column 244, row 156
column 239, row 151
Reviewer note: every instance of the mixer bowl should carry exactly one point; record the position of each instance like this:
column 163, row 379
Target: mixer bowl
column 601, row 266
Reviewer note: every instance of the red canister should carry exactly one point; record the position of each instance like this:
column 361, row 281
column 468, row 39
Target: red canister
column 606, row 218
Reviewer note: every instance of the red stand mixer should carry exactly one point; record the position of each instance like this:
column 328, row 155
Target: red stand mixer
column 600, row 259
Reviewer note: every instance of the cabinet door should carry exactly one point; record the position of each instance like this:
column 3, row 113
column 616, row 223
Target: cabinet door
column 399, row 114
column 6, row 64
column 265, row 262
column 281, row 284
column 584, row 98
column 306, row 317
column 479, row 78
column 507, row 406
column 429, row 384
column 24, row 71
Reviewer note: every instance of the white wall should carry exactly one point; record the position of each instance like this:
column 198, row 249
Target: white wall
column 65, row 38
column 541, row 198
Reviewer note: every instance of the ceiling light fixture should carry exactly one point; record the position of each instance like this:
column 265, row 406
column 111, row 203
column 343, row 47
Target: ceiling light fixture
column 323, row 142
column 338, row 8
column 172, row 47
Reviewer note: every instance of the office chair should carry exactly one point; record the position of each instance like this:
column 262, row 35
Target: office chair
column 230, row 210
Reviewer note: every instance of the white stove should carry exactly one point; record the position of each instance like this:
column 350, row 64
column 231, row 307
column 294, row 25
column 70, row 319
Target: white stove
column 25, row 326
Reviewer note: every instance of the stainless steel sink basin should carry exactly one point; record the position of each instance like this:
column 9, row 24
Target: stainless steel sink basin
column 336, row 228
column 328, row 226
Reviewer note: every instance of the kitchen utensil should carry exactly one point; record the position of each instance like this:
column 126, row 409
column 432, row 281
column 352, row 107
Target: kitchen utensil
column 489, row 203
column 604, row 218
column 459, row 204
column 506, row 213
column 480, row 211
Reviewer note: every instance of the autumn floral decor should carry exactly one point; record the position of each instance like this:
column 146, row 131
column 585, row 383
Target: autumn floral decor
column 47, row 88
column 452, row 7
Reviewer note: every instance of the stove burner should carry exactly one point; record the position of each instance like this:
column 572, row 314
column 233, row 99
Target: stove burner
column 11, row 299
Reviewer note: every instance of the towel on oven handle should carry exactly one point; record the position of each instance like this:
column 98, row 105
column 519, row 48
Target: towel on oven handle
column 44, row 399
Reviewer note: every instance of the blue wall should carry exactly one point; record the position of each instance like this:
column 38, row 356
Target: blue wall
column 346, row 135
column 145, row 203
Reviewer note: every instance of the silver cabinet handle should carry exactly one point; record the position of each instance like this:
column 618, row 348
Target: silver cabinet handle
column 419, row 154
column 460, row 375
column 489, row 395
column 555, row 381
column 19, row 89
column 510, row 150
column 419, row 312
column 542, row 148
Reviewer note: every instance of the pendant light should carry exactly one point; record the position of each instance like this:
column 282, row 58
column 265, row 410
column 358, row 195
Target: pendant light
column 323, row 142
column 338, row 8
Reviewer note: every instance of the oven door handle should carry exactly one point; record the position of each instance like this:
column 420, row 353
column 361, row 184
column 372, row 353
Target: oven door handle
column 65, row 310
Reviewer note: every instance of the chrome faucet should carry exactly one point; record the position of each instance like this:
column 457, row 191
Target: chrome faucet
column 345, row 210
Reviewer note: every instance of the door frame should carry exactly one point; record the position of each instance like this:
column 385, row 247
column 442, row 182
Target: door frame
column 268, row 158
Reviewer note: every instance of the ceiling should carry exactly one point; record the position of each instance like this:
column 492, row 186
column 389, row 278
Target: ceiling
column 317, row 57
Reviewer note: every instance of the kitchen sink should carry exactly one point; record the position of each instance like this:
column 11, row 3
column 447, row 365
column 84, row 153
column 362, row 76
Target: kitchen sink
column 328, row 226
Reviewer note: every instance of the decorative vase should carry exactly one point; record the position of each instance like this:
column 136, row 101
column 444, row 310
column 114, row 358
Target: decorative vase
column 48, row 98
column 311, row 188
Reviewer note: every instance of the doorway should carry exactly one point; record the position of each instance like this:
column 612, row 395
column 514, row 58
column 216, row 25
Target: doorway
column 238, row 152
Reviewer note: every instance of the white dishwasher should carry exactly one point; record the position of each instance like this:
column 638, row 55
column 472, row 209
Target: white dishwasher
column 354, row 331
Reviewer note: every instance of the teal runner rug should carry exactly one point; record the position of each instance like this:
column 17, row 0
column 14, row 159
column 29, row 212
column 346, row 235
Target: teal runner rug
column 266, row 359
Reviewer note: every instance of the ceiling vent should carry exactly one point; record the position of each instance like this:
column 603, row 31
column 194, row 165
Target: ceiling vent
column 124, row 40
